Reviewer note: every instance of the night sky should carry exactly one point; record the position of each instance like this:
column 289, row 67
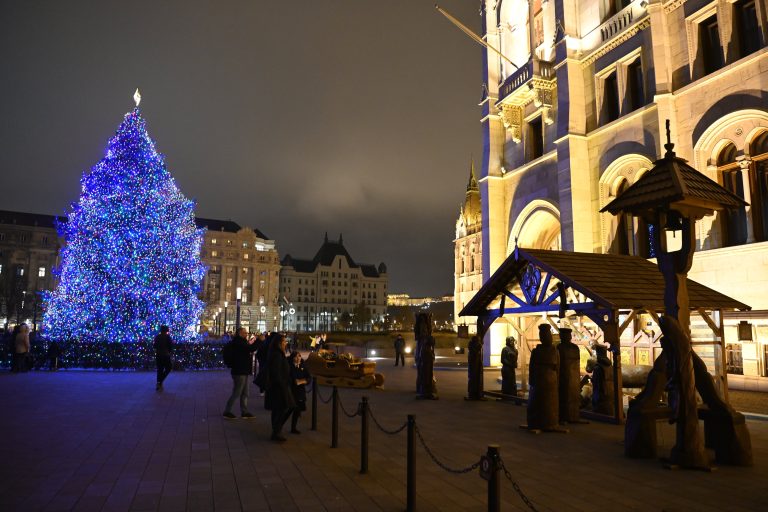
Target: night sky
column 356, row 117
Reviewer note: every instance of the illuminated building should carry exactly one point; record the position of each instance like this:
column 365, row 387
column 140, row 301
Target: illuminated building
column 574, row 113
column 468, row 266
column 333, row 292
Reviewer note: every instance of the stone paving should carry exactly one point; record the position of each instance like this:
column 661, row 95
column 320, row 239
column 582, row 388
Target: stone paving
column 76, row 440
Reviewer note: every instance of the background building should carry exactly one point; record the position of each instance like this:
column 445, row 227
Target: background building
column 468, row 245
column 239, row 257
column 29, row 250
column 575, row 111
column 333, row 292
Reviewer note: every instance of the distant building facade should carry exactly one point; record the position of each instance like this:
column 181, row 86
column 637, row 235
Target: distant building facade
column 468, row 250
column 332, row 292
column 235, row 256
column 29, row 251
column 239, row 257
column 574, row 113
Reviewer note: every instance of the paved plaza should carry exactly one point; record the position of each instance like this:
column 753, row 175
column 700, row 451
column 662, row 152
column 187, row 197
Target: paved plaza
column 77, row 440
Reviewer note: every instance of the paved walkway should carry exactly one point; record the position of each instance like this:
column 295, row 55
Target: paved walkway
column 75, row 440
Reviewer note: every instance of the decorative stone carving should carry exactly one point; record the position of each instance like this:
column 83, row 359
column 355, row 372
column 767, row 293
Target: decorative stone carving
column 512, row 117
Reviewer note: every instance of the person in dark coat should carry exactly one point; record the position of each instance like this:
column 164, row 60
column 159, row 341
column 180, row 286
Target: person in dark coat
column 278, row 398
column 242, row 368
column 163, row 348
column 399, row 350
column 299, row 380
column 262, row 351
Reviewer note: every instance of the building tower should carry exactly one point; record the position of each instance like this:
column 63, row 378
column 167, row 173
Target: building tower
column 468, row 271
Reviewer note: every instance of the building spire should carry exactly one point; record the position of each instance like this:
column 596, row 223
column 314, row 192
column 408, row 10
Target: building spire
column 472, row 184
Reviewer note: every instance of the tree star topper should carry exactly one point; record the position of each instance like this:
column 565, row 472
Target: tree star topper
column 137, row 97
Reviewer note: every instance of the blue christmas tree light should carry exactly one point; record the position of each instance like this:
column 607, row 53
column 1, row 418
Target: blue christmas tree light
column 132, row 256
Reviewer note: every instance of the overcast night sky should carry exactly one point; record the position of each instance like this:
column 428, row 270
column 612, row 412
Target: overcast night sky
column 297, row 118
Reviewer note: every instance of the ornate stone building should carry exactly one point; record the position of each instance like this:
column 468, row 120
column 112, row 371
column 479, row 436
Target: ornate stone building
column 239, row 257
column 332, row 292
column 574, row 113
column 468, row 266
column 29, row 250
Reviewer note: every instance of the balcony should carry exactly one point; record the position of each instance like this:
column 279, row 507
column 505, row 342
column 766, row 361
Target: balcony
column 533, row 69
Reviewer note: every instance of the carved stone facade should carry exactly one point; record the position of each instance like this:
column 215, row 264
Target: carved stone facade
column 582, row 116
column 468, row 248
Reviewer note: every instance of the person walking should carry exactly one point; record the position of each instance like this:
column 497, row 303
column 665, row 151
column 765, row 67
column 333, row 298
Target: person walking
column 399, row 349
column 22, row 346
column 299, row 380
column 163, row 348
column 279, row 398
column 242, row 368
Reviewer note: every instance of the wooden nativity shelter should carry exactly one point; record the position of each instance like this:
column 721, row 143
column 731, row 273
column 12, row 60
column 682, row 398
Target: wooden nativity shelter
column 608, row 292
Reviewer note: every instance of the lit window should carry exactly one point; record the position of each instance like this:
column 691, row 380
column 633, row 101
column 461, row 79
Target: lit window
column 245, row 270
column 245, row 245
column 245, row 256
column 41, row 272
column 245, row 283
column 1, row 268
column 245, row 297
column 214, row 254
column 229, row 282
column 20, row 271
column 213, row 241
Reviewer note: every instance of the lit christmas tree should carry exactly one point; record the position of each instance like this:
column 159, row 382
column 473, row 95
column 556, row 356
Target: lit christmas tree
column 132, row 256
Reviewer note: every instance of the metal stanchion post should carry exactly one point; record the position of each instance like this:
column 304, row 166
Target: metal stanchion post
column 494, row 497
column 411, row 465
column 335, row 419
column 314, row 404
column 364, row 436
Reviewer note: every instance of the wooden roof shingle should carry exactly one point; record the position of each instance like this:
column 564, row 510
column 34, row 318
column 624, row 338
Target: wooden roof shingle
column 611, row 281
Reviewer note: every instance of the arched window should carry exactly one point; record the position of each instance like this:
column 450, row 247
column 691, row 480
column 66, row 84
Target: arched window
column 758, row 184
column 624, row 227
column 734, row 222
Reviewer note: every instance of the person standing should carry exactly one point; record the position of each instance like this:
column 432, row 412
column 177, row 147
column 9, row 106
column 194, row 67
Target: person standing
column 279, row 398
column 299, row 381
column 399, row 350
column 242, row 368
column 163, row 348
column 22, row 346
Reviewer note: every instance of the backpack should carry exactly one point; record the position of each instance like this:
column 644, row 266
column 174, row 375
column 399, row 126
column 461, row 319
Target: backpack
column 228, row 354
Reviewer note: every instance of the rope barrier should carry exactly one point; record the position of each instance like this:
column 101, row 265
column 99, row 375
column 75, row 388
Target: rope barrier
column 440, row 464
column 516, row 487
column 378, row 425
column 324, row 400
column 344, row 410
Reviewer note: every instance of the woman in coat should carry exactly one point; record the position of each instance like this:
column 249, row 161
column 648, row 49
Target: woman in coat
column 299, row 380
column 278, row 397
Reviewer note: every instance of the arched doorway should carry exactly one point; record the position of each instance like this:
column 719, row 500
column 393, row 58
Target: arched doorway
column 537, row 226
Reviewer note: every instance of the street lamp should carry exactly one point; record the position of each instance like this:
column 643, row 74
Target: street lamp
column 218, row 322
column 239, row 298
column 226, row 303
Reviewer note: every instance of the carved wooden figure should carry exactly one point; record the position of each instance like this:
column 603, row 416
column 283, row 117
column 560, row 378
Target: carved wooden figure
column 475, row 369
column 543, row 406
column 508, row 366
column 569, row 378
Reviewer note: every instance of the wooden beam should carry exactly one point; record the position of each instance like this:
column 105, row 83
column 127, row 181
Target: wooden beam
column 544, row 287
column 630, row 317
column 712, row 325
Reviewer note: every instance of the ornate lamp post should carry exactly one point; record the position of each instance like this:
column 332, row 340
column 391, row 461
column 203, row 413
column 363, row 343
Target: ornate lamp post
column 226, row 303
column 237, row 315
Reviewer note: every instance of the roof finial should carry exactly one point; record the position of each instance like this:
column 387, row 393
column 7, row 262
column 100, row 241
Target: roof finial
column 669, row 146
column 137, row 97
